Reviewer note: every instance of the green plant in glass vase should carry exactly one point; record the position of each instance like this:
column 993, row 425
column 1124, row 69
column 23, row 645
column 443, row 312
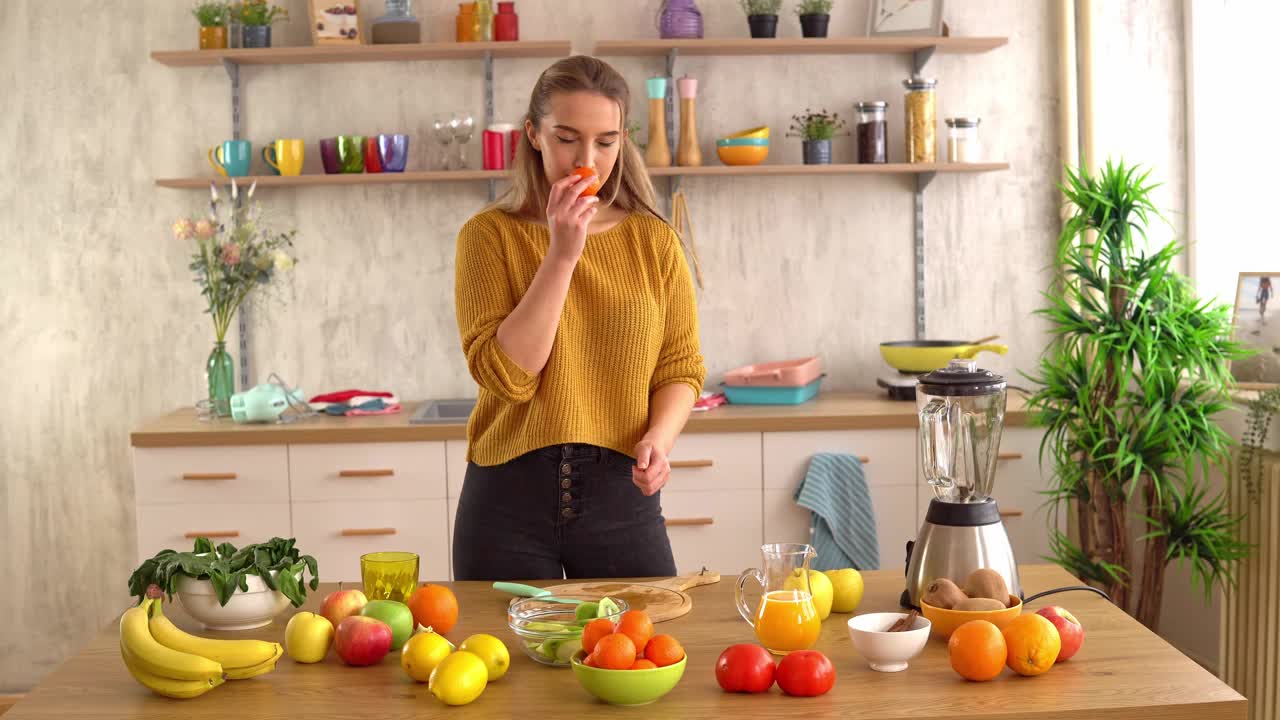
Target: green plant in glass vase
column 237, row 251
column 1129, row 386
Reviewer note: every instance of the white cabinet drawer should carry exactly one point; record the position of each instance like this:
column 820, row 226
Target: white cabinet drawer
column 894, row 506
column 241, row 474
column 176, row 527
column 716, row 530
column 337, row 533
column 716, row 461
column 367, row 471
column 889, row 455
column 455, row 454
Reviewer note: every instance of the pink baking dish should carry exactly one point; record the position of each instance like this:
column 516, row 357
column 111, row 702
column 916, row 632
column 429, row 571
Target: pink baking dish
column 784, row 373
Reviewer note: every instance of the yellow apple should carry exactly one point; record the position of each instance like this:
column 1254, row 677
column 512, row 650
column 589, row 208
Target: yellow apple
column 307, row 637
column 847, row 586
column 819, row 586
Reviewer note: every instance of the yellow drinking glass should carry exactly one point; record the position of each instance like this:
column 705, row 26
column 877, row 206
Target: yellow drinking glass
column 389, row 575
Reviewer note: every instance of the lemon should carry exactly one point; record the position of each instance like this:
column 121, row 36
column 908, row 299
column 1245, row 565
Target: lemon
column 492, row 651
column 459, row 678
column 422, row 653
column 819, row 586
column 847, row 584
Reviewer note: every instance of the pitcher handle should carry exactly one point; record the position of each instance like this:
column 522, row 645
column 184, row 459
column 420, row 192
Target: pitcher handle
column 931, row 415
column 740, row 597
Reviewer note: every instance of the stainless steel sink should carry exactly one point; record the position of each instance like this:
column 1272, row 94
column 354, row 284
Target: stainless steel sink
column 443, row 411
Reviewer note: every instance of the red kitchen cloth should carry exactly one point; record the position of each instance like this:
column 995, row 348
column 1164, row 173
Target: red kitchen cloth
column 345, row 395
column 388, row 410
column 709, row 400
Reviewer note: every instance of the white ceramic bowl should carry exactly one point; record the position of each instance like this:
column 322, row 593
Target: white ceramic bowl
column 887, row 651
column 244, row 611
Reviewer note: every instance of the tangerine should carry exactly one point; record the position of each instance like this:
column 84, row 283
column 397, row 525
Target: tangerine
column 434, row 606
column 595, row 630
column 664, row 650
column 1033, row 644
column 977, row 650
column 642, row 664
column 637, row 626
column 615, row 652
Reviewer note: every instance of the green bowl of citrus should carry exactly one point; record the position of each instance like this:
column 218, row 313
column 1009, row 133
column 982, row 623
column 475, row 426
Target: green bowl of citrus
column 627, row 687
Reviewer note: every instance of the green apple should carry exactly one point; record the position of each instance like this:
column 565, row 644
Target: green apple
column 819, row 586
column 847, row 584
column 396, row 615
column 307, row 637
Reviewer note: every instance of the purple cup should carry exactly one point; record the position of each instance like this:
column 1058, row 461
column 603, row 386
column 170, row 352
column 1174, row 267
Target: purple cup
column 394, row 151
column 329, row 155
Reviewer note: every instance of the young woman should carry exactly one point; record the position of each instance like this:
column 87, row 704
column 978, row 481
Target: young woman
column 579, row 324
column 1264, row 294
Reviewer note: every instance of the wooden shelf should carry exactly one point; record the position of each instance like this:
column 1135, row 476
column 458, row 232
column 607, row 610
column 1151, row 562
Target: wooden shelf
column 310, row 54
column 801, row 46
column 471, row 175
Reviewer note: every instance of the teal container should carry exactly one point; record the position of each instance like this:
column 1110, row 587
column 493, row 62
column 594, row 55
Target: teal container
column 766, row 395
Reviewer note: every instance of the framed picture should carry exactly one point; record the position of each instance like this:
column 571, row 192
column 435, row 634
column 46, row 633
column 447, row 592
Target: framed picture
column 335, row 22
column 1256, row 324
column 905, row 17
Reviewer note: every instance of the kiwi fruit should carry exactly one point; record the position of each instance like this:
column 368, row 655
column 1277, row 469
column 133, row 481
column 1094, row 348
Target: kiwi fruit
column 979, row 604
column 942, row 593
column 987, row 583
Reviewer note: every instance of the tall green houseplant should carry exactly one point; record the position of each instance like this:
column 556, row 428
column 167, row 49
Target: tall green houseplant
column 1128, row 389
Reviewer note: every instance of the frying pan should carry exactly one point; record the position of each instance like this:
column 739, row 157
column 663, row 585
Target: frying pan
column 922, row 356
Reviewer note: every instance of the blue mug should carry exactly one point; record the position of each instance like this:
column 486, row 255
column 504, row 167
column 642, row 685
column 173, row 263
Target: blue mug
column 393, row 150
column 231, row 158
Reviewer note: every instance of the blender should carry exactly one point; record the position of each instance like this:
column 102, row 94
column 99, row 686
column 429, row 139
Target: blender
column 961, row 413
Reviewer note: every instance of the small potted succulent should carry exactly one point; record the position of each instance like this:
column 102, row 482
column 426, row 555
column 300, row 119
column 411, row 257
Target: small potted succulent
column 212, row 17
column 762, row 17
column 816, row 130
column 814, row 17
column 255, row 18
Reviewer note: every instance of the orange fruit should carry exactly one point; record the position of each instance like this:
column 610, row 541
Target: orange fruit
column 664, row 650
column 594, row 187
column 977, row 650
column 615, row 652
column 589, row 660
column 637, row 626
column 643, row 664
column 434, row 606
column 1033, row 644
column 595, row 630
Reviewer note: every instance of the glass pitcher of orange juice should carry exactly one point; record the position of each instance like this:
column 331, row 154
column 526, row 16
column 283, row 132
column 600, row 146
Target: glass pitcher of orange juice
column 786, row 619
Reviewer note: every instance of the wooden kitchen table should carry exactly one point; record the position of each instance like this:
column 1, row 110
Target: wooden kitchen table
column 1123, row 671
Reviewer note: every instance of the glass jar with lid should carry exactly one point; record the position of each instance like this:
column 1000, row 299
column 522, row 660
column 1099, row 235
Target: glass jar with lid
column 962, row 140
column 921, row 119
column 872, row 130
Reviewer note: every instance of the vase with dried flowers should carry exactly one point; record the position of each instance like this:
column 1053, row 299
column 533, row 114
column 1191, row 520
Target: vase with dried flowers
column 236, row 252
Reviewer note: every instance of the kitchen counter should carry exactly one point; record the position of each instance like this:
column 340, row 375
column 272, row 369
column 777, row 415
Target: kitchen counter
column 828, row 411
column 1123, row 672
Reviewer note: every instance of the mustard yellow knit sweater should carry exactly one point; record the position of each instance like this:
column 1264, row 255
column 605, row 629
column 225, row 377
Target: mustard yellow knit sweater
column 629, row 326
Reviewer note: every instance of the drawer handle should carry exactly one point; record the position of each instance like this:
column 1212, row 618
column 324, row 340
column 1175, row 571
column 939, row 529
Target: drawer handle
column 1011, row 512
column 381, row 472
column 691, row 463
column 209, row 476
column 212, row 534
column 1009, row 456
column 683, row 522
column 363, row 532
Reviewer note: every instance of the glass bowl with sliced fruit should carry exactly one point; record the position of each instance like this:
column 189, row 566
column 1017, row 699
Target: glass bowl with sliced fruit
column 550, row 626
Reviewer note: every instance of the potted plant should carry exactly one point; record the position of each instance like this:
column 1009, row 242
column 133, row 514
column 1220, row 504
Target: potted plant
column 256, row 17
column 230, row 588
column 762, row 17
column 236, row 252
column 1129, row 388
column 816, row 130
column 814, row 17
column 212, row 17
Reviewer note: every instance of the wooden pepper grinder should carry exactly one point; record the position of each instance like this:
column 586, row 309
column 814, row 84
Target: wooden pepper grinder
column 688, row 154
column 658, row 154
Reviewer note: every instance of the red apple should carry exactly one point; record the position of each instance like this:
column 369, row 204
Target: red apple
column 341, row 604
column 362, row 640
column 1069, row 629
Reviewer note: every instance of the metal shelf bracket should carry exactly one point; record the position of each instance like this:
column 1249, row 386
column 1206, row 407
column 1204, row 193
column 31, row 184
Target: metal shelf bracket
column 920, row 58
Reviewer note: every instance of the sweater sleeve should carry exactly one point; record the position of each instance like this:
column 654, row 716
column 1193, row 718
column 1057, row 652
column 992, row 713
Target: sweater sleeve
column 483, row 298
column 680, row 360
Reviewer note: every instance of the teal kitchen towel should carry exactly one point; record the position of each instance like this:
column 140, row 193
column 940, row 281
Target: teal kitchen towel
column 835, row 491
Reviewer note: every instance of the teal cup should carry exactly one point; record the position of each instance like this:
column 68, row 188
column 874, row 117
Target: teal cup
column 231, row 158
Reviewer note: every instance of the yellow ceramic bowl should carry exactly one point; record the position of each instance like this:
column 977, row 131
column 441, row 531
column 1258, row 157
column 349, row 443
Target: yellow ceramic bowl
column 755, row 132
column 742, row 154
column 945, row 622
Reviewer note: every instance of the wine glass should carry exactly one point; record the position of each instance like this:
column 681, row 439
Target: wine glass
column 442, row 126
column 463, row 127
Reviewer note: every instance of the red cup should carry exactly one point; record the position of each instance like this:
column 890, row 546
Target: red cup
column 372, row 159
column 491, row 145
column 512, row 142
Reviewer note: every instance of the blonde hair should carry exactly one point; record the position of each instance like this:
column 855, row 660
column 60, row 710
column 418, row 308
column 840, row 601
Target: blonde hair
column 628, row 186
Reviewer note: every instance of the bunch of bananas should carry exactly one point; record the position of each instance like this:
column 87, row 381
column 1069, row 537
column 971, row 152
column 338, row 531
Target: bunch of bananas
column 176, row 664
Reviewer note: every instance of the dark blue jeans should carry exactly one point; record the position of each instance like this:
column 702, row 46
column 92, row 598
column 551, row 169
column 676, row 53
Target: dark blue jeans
column 560, row 511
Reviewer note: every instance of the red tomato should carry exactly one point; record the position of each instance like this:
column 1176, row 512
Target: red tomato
column 745, row 668
column 594, row 186
column 806, row 673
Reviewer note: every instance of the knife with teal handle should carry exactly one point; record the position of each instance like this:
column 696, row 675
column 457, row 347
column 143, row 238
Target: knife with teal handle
column 520, row 590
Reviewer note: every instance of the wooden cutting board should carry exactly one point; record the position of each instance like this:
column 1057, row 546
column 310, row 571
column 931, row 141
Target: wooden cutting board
column 661, row 600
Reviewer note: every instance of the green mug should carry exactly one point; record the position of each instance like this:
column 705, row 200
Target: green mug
column 351, row 153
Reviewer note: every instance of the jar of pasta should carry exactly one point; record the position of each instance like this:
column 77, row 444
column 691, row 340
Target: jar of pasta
column 921, row 119
column 962, row 140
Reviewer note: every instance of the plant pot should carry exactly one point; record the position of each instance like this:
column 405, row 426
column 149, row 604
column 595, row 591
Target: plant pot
column 256, row 36
column 213, row 37
column 245, row 610
column 817, row 152
column 814, row 26
column 763, row 26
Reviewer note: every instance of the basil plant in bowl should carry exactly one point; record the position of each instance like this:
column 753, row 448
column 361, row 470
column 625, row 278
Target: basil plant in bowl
column 229, row 588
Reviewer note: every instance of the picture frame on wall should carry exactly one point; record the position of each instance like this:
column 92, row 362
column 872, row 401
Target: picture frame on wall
column 335, row 22
column 1255, row 323
column 890, row 18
